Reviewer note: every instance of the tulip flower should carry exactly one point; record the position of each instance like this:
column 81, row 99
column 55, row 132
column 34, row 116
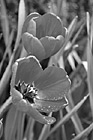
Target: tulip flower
column 35, row 90
column 43, row 36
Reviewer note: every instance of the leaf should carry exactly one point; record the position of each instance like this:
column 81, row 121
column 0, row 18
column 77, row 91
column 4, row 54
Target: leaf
column 59, row 6
column 7, row 73
column 76, row 56
column 10, row 124
column 84, row 133
column 90, row 59
column 45, row 131
column 5, row 23
column 72, row 26
column 29, row 128
column 64, row 137
column 71, row 61
column 20, row 126
column 8, row 49
column 68, row 116
column 70, row 31
column 1, row 128
column 88, row 23
column 90, row 75
column 21, row 19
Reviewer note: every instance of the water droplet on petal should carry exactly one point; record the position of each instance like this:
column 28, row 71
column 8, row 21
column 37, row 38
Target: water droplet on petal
column 50, row 120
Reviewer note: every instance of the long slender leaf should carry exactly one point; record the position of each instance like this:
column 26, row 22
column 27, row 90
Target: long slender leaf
column 75, row 119
column 71, row 61
column 64, row 137
column 70, row 31
column 20, row 127
column 7, row 49
column 5, row 23
column 59, row 7
column 7, row 73
column 1, row 128
column 29, row 129
column 84, row 133
column 68, row 116
column 21, row 19
column 5, row 105
column 11, row 124
column 72, row 25
column 31, row 133
column 90, row 60
column 45, row 131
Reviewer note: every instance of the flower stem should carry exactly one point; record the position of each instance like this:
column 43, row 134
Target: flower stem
column 5, row 106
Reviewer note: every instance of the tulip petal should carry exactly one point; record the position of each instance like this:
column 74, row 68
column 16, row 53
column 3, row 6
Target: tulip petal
column 16, row 95
column 24, row 106
column 26, row 23
column 28, row 69
column 52, row 84
column 32, row 27
column 60, row 40
column 33, row 46
column 38, row 116
column 50, row 105
column 52, row 45
column 48, row 25
column 49, row 44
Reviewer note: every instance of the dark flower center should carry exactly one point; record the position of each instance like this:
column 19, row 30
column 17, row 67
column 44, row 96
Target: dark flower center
column 28, row 91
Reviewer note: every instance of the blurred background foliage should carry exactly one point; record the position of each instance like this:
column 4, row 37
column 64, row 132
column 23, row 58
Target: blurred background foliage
column 74, row 55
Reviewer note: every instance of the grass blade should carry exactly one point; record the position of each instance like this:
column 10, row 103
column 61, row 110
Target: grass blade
column 20, row 127
column 68, row 116
column 62, row 127
column 75, row 119
column 4, row 22
column 29, row 129
column 59, row 7
column 72, row 26
column 21, row 19
column 7, row 49
column 71, row 61
column 90, row 60
column 7, row 73
column 45, row 131
column 84, row 133
column 11, row 124
column 70, row 31
column 5, row 106
column 1, row 128
column 31, row 133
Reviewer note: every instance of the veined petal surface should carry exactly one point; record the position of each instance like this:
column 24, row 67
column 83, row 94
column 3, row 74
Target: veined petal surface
column 28, row 69
column 33, row 46
column 26, row 23
column 50, row 105
column 49, row 25
column 52, row 84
